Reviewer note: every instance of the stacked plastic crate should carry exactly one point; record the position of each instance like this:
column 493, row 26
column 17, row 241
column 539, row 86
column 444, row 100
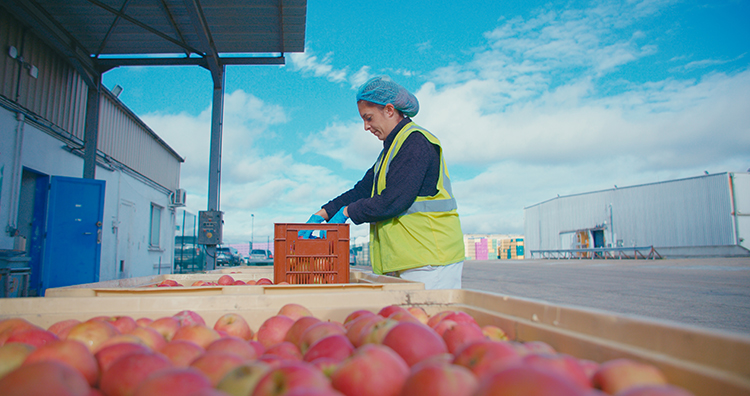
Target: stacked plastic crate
column 511, row 249
column 481, row 249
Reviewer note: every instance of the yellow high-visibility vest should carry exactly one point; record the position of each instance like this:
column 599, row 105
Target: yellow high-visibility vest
column 428, row 232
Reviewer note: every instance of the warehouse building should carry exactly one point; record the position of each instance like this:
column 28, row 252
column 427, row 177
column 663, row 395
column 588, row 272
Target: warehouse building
column 69, row 219
column 703, row 216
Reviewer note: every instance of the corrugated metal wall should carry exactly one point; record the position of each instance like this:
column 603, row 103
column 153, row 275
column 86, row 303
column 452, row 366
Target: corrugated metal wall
column 680, row 213
column 126, row 139
column 58, row 94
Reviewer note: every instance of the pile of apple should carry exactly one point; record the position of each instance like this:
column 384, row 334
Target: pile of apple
column 398, row 351
column 224, row 280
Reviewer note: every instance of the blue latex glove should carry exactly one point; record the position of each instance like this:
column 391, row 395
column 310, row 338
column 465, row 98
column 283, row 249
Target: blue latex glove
column 306, row 234
column 339, row 217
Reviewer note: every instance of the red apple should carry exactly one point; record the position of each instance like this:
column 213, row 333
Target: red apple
column 359, row 327
column 436, row 379
column 235, row 325
column 374, row 334
column 12, row 355
column 121, row 338
column 336, row 347
column 181, row 353
column 61, row 328
column 208, row 392
column 313, row 392
column 150, row 337
column 143, row 322
column 372, row 370
column 655, row 390
column 13, row 325
column 123, row 324
column 298, row 327
column 69, row 352
column 444, row 325
column 589, row 367
column 326, row 365
column 284, row 350
column 259, row 348
column 435, row 319
column 187, row 317
column 166, row 326
column 389, row 310
column 419, row 313
column 290, row 376
column 124, row 376
column 485, row 356
column 294, row 311
column 356, row 314
column 563, row 364
column 494, row 333
column 404, row 316
column 318, row 331
column 226, row 280
column 200, row 334
column 414, row 342
column 617, row 375
column 234, row 345
column 35, row 337
column 264, row 281
column 92, row 333
column 460, row 334
column 239, row 282
column 168, row 283
column 242, row 379
column 175, row 381
column 44, row 378
column 537, row 347
column 274, row 329
column 460, row 317
column 216, row 364
column 107, row 355
column 525, row 380
column 199, row 283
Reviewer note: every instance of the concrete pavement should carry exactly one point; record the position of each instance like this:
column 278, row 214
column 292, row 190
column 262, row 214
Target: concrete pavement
column 706, row 292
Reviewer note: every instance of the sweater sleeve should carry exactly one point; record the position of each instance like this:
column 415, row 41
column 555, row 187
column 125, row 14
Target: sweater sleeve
column 404, row 182
column 363, row 189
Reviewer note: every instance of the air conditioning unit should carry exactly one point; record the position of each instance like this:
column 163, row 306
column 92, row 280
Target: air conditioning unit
column 178, row 197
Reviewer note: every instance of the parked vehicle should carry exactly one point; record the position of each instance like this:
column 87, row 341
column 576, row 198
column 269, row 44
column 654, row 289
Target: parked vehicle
column 188, row 255
column 260, row 257
column 227, row 256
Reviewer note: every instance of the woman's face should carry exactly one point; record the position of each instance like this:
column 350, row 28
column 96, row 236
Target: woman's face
column 380, row 121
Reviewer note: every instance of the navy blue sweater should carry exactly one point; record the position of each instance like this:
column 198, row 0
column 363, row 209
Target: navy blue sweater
column 413, row 172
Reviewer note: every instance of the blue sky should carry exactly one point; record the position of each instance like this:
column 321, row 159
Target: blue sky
column 530, row 100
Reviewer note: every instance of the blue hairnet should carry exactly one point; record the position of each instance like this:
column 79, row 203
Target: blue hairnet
column 382, row 90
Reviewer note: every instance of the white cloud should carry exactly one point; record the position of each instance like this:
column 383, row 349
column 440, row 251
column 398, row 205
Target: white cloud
column 273, row 186
column 308, row 62
column 347, row 143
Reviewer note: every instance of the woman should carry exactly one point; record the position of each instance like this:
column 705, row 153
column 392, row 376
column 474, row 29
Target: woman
column 406, row 196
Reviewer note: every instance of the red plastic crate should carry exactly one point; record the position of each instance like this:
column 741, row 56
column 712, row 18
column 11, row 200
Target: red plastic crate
column 311, row 261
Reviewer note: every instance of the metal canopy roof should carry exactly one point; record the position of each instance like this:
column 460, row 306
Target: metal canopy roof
column 98, row 35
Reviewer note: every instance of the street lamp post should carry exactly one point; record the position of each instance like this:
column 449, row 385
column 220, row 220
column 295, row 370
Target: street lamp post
column 252, row 231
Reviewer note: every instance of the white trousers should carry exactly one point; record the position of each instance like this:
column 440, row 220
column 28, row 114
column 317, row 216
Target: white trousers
column 436, row 277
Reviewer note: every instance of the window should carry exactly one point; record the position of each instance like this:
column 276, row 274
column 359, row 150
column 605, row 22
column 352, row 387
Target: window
column 155, row 225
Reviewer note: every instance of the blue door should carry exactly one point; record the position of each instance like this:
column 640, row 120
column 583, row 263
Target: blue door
column 72, row 249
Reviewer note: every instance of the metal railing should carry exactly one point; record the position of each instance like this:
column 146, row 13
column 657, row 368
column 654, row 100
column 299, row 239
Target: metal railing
column 633, row 253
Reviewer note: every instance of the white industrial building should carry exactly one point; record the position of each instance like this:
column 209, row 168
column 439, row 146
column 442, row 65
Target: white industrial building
column 87, row 190
column 707, row 215
column 66, row 222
